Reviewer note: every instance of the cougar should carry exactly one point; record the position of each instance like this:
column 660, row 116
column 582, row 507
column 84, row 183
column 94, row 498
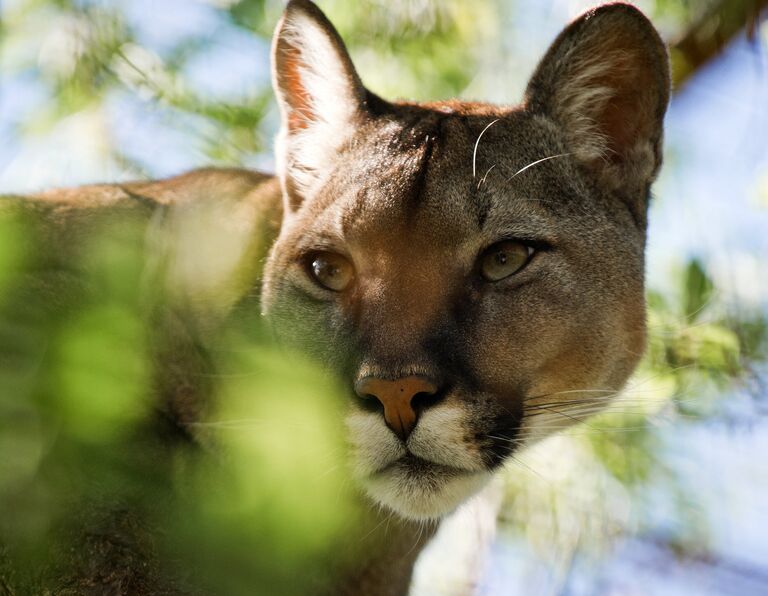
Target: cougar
column 463, row 267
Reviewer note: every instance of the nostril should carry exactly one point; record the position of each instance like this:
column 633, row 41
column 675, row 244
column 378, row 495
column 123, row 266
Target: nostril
column 371, row 403
column 365, row 389
column 425, row 399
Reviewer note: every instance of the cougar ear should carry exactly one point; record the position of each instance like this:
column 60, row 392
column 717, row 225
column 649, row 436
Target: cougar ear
column 319, row 93
column 605, row 83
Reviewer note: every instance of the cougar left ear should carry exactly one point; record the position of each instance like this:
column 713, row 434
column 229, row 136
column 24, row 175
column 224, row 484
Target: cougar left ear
column 319, row 93
column 605, row 83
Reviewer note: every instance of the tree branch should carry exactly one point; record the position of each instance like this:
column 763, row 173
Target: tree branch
column 709, row 35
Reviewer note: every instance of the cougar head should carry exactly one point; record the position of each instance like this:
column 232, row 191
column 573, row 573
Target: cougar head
column 469, row 270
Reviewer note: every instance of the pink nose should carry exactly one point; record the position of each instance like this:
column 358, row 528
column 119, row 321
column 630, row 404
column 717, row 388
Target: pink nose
column 397, row 398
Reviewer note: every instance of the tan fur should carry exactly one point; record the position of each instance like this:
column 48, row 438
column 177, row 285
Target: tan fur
column 412, row 194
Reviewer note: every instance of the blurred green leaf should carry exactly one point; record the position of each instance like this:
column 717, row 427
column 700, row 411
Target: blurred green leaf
column 698, row 288
column 100, row 375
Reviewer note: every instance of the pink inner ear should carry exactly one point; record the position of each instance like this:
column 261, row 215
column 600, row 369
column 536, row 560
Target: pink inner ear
column 289, row 68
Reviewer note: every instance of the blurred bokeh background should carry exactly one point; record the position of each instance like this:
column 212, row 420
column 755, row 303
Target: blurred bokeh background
column 663, row 494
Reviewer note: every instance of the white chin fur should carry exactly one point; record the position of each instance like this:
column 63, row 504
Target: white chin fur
column 427, row 496
column 435, row 474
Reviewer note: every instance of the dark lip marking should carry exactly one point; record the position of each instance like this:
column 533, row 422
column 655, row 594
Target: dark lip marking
column 416, row 465
column 504, row 429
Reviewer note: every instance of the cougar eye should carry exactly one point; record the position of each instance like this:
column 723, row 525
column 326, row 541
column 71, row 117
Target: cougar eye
column 503, row 259
column 331, row 270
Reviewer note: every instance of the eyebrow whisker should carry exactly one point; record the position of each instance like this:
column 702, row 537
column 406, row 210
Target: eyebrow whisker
column 482, row 180
column 533, row 163
column 477, row 143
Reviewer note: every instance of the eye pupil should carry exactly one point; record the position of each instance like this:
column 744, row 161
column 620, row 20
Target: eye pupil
column 332, row 271
column 322, row 268
column 504, row 259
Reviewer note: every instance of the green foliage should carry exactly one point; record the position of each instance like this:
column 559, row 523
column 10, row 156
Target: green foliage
column 279, row 429
column 698, row 290
column 95, row 477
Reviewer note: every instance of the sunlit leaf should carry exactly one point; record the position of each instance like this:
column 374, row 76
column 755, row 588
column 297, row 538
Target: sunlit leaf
column 698, row 289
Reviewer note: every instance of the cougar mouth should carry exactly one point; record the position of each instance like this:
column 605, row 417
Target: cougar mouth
column 420, row 489
column 440, row 466
column 418, row 466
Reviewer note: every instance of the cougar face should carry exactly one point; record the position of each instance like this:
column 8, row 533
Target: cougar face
column 468, row 270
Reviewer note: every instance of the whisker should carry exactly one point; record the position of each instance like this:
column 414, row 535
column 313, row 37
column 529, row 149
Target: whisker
column 579, row 415
column 628, row 390
column 482, row 180
column 567, row 416
column 224, row 375
column 614, row 403
column 477, row 143
column 571, row 391
column 422, row 527
column 673, row 369
column 527, row 467
column 377, row 526
column 247, row 424
column 235, row 423
column 577, row 432
column 330, row 470
column 587, row 410
column 584, row 411
column 669, row 331
column 538, row 161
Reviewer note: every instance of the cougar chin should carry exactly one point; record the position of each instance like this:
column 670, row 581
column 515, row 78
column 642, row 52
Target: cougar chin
column 421, row 490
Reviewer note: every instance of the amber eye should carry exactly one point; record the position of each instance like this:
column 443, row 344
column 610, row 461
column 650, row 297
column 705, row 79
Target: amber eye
column 331, row 270
column 503, row 259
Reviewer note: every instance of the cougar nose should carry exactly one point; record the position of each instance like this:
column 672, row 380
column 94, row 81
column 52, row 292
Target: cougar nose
column 397, row 397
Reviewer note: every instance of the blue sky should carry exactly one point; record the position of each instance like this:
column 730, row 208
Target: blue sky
column 710, row 199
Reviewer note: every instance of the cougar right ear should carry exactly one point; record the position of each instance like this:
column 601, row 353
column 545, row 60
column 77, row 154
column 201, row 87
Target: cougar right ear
column 320, row 96
column 605, row 84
